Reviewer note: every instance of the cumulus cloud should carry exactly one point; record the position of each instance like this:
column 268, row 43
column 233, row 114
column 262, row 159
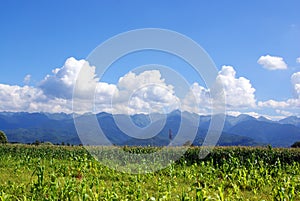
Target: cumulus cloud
column 239, row 92
column 197, row 100
column 134, row 93
column 298, row 60
column 272, row 62
column 54, row 92
column 15, row 99
column 143, row 93
column 62, row 81
column 296, row 83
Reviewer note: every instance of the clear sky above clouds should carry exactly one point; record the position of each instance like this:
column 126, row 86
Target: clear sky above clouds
column 254, row 44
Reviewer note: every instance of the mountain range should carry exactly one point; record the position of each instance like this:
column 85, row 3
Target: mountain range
column 175, row 128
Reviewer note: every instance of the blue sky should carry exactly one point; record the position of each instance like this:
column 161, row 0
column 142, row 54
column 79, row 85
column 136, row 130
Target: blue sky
column 39, row 36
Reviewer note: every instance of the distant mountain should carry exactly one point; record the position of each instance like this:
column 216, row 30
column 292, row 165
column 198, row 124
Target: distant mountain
column 241, row 118
column 141, row 120
column 261, row 118
column 291, row 120
column 58, row 116
column 28, row 127
column 131, row 130
column 230, row 121
column 275, row 134
column 54, row 136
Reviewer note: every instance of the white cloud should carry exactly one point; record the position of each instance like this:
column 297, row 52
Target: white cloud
column 233, row 113
column 197, row 100
column 54, row 92
column 272, row 62
column 296, row 83
column 239, row 92
column 273, row 104
column 292, row 103
column 254, row 114
column 237, row 113
column 144, row 93
column 298, row 60
column 257, row 115
column 284, row 112
column 27, row 79
column 15, row 98
column 133, row 93
column 62, row 81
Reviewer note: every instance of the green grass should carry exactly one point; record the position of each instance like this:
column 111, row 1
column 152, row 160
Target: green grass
column 70, row 173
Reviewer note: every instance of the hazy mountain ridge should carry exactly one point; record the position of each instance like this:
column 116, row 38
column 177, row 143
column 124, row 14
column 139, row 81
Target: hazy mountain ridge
column 293, row 120
column 241, row 130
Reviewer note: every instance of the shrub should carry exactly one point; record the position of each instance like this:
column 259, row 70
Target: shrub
column 296, row 144
column 3, row 138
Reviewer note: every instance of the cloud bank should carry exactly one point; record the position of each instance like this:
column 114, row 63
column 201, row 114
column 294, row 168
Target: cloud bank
column 146, row 92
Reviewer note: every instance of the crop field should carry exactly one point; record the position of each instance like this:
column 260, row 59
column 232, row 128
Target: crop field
column 71, row 173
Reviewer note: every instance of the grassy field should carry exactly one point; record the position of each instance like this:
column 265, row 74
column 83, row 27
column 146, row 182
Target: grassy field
column 227, row 173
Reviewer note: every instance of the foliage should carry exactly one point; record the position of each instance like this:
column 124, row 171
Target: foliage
column 70, row 173
column 3, row 138
column 296, row 144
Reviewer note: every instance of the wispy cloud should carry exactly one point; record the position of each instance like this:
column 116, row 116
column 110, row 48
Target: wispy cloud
column 27, row 79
